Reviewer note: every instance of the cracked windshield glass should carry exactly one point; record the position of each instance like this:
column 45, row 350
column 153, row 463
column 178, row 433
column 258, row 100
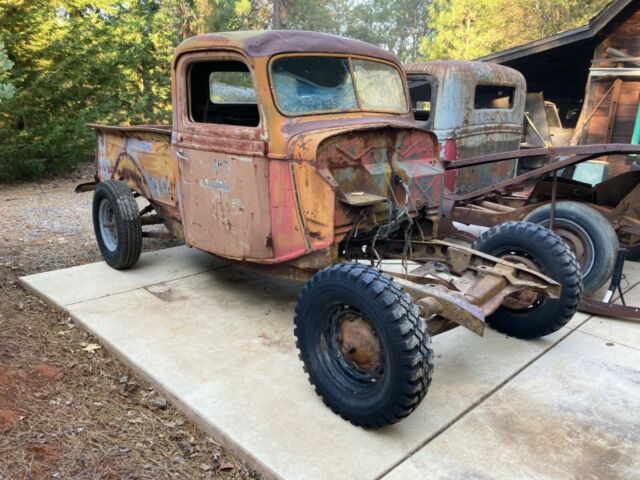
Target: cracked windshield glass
column 323, row 84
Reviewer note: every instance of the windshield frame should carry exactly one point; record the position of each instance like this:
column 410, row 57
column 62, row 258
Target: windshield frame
column 349, row 58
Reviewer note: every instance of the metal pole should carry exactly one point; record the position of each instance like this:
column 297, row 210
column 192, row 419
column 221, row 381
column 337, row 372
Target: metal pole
column 552, row 214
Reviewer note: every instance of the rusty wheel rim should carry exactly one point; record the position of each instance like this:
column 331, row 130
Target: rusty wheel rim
column 354, row 347
column 359, row 343
column 578, row 241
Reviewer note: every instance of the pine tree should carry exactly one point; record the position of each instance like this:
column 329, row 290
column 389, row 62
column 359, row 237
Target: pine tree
column 467, row 29
column 7, row 90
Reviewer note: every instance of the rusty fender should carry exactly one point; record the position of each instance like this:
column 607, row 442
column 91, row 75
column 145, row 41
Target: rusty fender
column 477, row 285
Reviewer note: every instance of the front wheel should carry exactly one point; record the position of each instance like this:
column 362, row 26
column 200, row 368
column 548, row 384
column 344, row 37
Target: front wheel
column 363, row 344
column 540, row 249
column 116, row 222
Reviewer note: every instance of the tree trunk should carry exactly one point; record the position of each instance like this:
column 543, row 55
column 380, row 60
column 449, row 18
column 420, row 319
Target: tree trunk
column 276, row 19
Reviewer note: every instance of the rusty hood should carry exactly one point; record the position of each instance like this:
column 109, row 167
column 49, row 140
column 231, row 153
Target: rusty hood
column 376, row 160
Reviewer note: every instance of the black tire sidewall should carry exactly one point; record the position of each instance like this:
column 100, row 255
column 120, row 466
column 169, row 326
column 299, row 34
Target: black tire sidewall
column 598, row 229
column 402, row 334
column 129, row 239
column 315, row 306
column 554, row 259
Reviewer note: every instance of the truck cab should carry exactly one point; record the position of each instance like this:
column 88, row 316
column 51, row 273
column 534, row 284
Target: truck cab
column 474, row 108
column 277, row 141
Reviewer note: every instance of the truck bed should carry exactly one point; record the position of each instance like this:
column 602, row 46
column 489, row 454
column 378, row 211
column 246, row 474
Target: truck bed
column 141, row 156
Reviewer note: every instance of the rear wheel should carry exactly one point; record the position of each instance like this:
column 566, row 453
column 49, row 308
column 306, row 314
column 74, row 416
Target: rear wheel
column 363, row 344
column 538, row 248
column 589, row 235
column 116, row 222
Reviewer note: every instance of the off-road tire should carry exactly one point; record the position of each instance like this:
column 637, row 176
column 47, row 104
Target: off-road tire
column 406, row 356
column 598, row 236
column 128, row 238
column 554, row 259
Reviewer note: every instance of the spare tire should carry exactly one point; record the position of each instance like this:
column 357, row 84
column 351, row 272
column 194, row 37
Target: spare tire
column 589, row 235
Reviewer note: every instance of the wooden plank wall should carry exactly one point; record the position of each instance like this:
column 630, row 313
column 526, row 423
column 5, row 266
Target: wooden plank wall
column 616, row 99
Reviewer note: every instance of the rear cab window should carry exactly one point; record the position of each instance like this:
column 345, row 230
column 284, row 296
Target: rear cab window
column 493, row 97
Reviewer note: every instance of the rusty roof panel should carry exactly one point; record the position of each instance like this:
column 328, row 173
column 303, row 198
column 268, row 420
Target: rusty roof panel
column 265, row 43
column 478, row 71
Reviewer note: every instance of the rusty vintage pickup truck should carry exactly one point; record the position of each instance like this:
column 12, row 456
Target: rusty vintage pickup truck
column 296, row 153
column 501, row 167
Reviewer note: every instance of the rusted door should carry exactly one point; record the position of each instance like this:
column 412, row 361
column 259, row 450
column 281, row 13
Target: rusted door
column 220, row 146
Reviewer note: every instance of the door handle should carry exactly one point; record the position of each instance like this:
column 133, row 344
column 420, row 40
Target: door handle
column 180, row 154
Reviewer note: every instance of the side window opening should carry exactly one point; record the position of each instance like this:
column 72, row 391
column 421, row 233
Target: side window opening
column 222, row 92
column 493, row 97
column 421, row 93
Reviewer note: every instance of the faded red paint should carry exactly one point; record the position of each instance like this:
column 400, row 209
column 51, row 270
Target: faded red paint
column 285, row 219
column 450, row 151
column 276, row 192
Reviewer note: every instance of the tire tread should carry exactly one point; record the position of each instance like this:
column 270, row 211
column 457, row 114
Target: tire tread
column 565, row 259
column 128, row 220
column 417, row 356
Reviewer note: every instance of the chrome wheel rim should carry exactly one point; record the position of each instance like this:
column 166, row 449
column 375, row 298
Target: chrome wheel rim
column 108, row 225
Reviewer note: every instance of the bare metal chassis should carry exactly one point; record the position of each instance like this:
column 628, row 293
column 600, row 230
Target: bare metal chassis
column 471, row 286
column 488, row 206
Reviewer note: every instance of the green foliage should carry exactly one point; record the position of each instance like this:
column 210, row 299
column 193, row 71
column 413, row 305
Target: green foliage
column 80, row 61
column 7, row 90
column 397, row 25
column 65, row 63
column 315, row 15
column 467, row 29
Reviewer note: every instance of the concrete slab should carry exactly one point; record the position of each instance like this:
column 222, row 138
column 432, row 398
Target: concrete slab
column 632, row 294
column 625, row 332
column 571, row 414
column 220, row 344
column 85, row 282
column 578, row 319
column 632, row 275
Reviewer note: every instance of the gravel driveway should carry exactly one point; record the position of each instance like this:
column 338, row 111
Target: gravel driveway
column 68, row 409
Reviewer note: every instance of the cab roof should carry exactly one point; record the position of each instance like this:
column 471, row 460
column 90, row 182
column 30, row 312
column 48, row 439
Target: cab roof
column 265, row 43
column 468, row 70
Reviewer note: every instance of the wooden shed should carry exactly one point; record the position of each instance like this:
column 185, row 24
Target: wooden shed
column 592, row 74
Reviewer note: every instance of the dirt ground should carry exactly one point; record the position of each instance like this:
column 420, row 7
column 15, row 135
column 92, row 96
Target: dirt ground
column 68, row 408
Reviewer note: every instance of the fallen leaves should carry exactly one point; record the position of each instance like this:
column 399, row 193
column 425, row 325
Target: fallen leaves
column 160, row 402
column 90, row 347
column 98, row 420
